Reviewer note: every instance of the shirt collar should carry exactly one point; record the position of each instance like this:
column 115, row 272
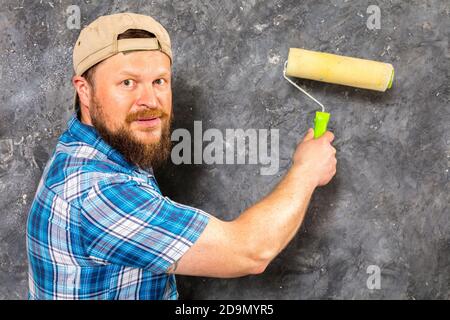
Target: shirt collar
column 87, row 134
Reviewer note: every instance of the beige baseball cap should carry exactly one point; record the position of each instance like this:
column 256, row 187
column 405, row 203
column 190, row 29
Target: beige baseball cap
column 98, row 41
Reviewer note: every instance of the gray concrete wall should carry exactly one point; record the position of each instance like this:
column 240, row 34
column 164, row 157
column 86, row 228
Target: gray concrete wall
column 389, row 202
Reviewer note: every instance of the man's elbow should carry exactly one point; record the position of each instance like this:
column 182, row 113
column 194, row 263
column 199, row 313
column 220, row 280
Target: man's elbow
column 260, row 262
column 254, row 255
column 259, row 258
column 259, row 268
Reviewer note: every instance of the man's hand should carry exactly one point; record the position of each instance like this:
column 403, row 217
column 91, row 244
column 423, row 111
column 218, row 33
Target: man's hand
column 317, row 157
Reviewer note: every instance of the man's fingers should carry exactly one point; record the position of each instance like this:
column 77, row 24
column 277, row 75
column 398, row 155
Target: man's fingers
column 329, row 136
column 309, row 135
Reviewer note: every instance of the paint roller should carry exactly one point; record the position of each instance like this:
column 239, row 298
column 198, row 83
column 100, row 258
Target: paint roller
column 332, row 68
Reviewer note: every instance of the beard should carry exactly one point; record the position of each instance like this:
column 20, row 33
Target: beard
column 145, row 155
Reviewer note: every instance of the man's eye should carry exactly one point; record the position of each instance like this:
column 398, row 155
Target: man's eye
column 160, row 81
column 128, row 82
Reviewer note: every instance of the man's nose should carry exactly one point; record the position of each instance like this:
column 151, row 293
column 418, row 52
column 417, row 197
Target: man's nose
column 147, row 97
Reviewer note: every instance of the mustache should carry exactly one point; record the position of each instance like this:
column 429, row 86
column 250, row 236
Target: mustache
column 149, row 113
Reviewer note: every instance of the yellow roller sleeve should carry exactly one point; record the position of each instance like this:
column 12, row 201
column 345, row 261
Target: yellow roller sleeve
column 332, row 68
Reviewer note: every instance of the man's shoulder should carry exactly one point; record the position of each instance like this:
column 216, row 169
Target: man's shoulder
column 75, row 167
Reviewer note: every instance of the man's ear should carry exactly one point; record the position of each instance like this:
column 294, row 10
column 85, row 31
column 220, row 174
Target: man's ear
column 84, row 90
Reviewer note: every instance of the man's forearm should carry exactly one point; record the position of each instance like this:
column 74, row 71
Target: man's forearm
column 270, row 224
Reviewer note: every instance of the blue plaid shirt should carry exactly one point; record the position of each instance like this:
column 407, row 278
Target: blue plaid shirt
column 99, row 227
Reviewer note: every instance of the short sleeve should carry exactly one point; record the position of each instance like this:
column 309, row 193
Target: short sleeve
column 130, row 223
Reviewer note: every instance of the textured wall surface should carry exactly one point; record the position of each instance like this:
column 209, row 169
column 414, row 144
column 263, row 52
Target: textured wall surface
column 388, row 205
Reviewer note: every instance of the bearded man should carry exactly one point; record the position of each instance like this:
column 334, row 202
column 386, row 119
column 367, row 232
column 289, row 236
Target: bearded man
column 99, row 227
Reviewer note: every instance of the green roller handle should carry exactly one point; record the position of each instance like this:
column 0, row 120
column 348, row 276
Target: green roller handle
column 320, row 123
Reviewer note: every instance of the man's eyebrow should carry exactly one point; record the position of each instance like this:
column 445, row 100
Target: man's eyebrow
column 127, row 73
column 163, row 73
column 134, row 74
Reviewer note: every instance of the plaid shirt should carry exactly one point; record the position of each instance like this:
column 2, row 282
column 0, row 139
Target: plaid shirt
column 99, row 227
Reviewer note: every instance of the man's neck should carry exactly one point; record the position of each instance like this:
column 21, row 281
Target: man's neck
column 83, row 118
